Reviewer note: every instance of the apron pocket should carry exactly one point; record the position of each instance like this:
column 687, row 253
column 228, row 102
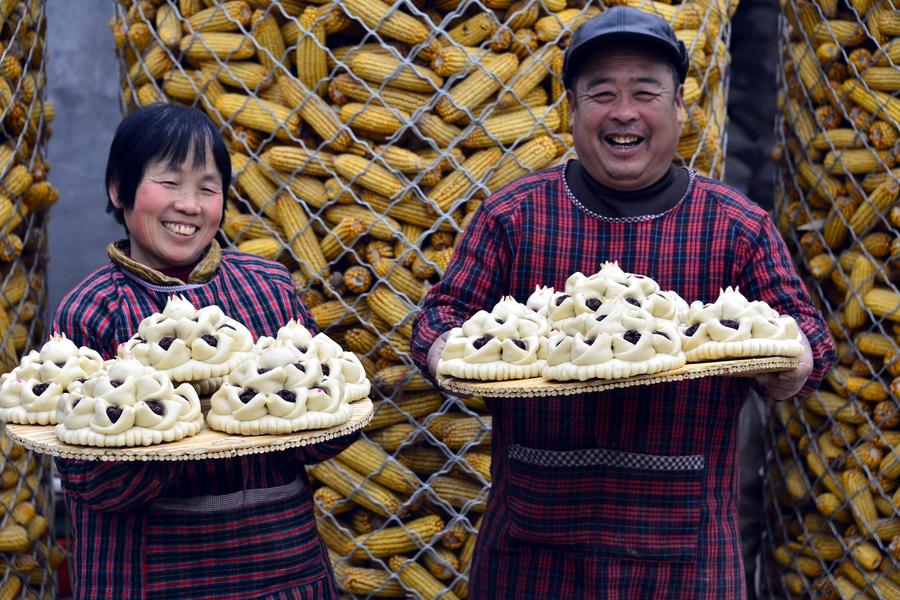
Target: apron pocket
column 607, row 502
column 236, row 545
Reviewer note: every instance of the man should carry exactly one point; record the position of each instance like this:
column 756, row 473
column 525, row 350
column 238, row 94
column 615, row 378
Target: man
column 631, row 493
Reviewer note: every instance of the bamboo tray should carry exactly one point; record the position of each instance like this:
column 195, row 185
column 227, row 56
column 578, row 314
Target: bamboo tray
column 206, row 444
column 538, row 386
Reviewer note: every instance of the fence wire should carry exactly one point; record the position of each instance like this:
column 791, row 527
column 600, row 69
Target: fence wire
column 28, row 555
column 833, row 486
column 389, row 124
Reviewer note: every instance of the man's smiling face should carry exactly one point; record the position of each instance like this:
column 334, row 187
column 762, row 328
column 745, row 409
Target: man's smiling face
column 626, row 117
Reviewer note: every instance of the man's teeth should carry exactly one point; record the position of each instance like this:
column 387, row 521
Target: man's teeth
column 624, row 139
column 180, row 229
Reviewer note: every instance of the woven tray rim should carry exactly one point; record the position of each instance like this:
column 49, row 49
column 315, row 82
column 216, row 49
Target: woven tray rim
column 540, row 387
column 206, row 444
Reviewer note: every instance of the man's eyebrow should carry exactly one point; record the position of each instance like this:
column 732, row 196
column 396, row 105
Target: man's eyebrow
column 601, row 79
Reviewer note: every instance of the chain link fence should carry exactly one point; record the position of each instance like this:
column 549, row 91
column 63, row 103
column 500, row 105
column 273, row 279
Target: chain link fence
column 28, row 556
column 364, row 135
column 833, row 485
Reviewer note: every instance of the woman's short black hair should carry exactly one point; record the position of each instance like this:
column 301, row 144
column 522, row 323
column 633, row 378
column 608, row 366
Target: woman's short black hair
column 161, row 132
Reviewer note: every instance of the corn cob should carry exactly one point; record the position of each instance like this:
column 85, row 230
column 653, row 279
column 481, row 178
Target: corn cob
column 365, row 457
column 877, row 103
column 330, row 501
column 423, row 460
column 417, row 578
column 477, row 87
column 374, row 582
column 316, row 113
column 387, row 305
column 358, row 279
column 862, row 279
column 859, row 496
column 14, row 538
column 380, row 69
column 513, row 127
column 387, row 20
column 441, row 563
column 268, row 36
column 344, row 88
column 455, row 185
column 442, row 133
column 378, row 226
column 228, row 16
column 153, row 65
column 552, row 27
column 460, row 492
column 473, row 30
column 295, row 160
column 451, row 60
column 334, row 536
column 266, row 247
column 392, row 437
column 259, row 114
column 369, row 175
column 199, row 47
column 342, row 236
column 465, row 430
column 403, row 538
column 400, row 279
column 373, row 121
column 10, row 588
column 402, row 377
column 300, row 236
column 527, row 158
column 357, row 488
column 360, row 341
column 415, row 405
column 531, row 73
column 856, row 161
column 311, row 60
column 480, row 462
column 332, row 314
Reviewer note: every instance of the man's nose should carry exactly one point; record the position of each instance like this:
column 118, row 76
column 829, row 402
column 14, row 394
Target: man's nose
column 623, row 110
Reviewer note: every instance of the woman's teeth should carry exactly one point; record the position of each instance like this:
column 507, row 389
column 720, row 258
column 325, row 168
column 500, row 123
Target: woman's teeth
column 180, row 229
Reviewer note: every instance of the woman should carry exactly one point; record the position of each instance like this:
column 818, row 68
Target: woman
column 232, row 528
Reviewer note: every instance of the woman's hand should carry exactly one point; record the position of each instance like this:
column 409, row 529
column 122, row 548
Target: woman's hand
column 781, row 386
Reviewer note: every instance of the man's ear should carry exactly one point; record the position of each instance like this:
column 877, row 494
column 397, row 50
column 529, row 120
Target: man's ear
column 570, row 99
column 113, row 192
column 679, row 103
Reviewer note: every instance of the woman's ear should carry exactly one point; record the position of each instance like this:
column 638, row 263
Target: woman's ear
column 113, row 192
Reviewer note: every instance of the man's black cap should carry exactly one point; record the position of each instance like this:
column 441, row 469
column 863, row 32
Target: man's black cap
column 624, row 24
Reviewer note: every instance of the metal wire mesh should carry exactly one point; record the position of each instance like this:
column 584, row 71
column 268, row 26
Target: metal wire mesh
column 832, row 485
column 390, row 123
column 28, row 556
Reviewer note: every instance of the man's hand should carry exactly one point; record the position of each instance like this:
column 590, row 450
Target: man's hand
column 434, row 353
column 781, row 386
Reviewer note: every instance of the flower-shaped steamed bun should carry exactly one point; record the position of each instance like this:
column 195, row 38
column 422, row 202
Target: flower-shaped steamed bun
column 29, row 393
column 735, row 327
column 623, row 340
column 189, row 344
column 280, row 390
column 507, row 343
column 129, row 404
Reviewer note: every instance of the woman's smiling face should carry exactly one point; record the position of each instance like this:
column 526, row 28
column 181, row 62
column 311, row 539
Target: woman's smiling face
column 177, row 211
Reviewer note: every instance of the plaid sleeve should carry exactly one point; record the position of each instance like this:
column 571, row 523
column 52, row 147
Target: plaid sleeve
column 84, row 317
column 769, row 275
column 475, row 279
